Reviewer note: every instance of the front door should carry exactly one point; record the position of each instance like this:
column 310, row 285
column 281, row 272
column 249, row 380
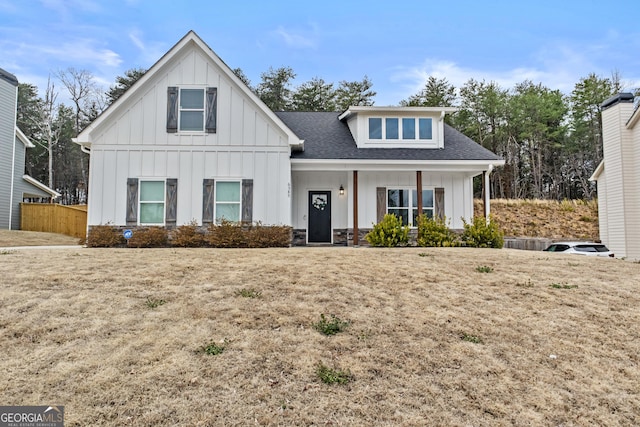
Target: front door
column 319, row 217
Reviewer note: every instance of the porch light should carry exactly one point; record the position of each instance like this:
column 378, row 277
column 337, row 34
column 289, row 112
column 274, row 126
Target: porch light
column 341, row 190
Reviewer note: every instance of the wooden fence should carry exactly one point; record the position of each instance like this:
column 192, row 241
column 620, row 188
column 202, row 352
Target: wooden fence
column 52, row 218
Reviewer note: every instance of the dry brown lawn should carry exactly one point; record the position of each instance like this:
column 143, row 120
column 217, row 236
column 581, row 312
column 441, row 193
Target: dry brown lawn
column 77, row 329
column 10, row 238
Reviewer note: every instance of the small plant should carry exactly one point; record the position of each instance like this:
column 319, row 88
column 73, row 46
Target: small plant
column 434, row 232
column 149, row 237
column 527, row 284
column 471, row 338
column 248, row 293
column 330, row 326
column 481, row 233
column 104, row 236
column 424, row 254
column 562, row 286
column 213, row 348
column 484, row 269
column 332, row 376
column 7, row 252
column 188, row 236
column 155, row 302
column 389, row 232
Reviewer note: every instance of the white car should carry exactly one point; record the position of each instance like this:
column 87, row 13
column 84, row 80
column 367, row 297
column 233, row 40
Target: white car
column 581, row 248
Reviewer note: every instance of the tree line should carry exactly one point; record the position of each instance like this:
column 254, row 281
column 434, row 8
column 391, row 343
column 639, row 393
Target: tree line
column 551, row 142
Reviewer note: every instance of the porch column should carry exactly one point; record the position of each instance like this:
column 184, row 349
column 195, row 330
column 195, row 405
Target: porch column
column 356, row 240
column 419, row 188
column 486, row 186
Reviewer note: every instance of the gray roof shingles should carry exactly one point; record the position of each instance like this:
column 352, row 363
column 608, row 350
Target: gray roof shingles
column 326, row 137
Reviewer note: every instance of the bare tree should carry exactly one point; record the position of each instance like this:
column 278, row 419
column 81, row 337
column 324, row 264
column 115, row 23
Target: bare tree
column 87, row 98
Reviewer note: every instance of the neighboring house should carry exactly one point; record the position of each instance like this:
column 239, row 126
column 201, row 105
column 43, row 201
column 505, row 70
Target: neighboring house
column 618, row 177
column 15, row 186
column 191, row 142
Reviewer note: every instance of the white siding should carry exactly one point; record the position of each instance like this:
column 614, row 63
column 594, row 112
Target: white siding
column 458, row 192
column 134, row 143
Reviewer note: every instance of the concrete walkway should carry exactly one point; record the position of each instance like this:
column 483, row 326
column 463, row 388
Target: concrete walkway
column 20, row 248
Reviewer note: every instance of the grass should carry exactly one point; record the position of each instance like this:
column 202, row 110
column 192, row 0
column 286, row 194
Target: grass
column 484, row 269
column 332, row 376
column 73, row 333
column 330, row 326
column 562, row 286
column 248, row 293
column 10, row 238
column 154, row 302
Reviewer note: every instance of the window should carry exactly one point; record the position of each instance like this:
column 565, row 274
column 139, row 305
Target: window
column 425, row 128
column 404, row 204
column 393, row 128
column 192, row 109
column 152, row 202
column 228, row 196
column 375, row 128
column 408, row 128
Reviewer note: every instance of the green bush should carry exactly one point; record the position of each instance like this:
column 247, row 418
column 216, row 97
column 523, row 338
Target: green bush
column 388, row 232
column 149, row 237
column 188, row 236
column 482, row 234
column 105, row 236
column 433, row 232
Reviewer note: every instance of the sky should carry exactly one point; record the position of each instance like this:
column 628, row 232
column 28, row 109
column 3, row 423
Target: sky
column 398, row 45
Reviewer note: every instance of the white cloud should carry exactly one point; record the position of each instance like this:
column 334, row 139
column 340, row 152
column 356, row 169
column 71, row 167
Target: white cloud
column 296, row 39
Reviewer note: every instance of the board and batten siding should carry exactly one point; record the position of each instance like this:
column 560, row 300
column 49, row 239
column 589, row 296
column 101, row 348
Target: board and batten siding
column 134, row 143
column 458, row 194
column 8, row 97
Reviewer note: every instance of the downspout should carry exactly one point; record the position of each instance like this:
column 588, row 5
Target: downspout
column 13, row 158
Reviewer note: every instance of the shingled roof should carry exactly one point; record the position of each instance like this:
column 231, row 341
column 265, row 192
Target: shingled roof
column 326, row 137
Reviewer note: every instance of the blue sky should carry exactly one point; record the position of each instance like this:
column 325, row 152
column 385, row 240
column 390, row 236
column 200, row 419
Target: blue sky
column 397, row 44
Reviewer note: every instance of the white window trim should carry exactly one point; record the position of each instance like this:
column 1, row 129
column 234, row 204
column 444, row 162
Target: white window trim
column 415, row 142
column 215, row 199
column 203, row 110
column 164, row 201
column 412, row 204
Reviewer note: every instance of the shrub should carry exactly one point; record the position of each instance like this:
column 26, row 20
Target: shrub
column 188, row 236
column 105, row 236
column 227, row 234
column 150, row 237
column 274, row 236
column 482, row 234
column 213, row 348
column 388, row 232
column 433, row 232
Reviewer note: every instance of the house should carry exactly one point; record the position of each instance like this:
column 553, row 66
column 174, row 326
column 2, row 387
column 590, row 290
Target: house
column 191, row 142
column 15, row 185
column 618, row 177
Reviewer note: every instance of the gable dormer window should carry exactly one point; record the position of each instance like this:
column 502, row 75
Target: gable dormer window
column 395, row 128
column 191, row 117
column 192, row 109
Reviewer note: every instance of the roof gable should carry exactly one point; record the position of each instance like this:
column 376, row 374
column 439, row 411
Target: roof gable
column 188, row 43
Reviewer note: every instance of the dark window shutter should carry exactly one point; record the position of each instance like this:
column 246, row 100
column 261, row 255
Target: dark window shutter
column 172, row 109
column 247, row 200
column 171, row 208
column 207, row 201
column 439, row 203
column 132, row 201
column 381, row 203
column 212, row 107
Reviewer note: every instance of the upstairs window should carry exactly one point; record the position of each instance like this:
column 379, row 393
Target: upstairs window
column 406, row 129
column 191, row 110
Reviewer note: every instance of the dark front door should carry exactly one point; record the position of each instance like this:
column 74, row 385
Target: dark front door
column 319, row 217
